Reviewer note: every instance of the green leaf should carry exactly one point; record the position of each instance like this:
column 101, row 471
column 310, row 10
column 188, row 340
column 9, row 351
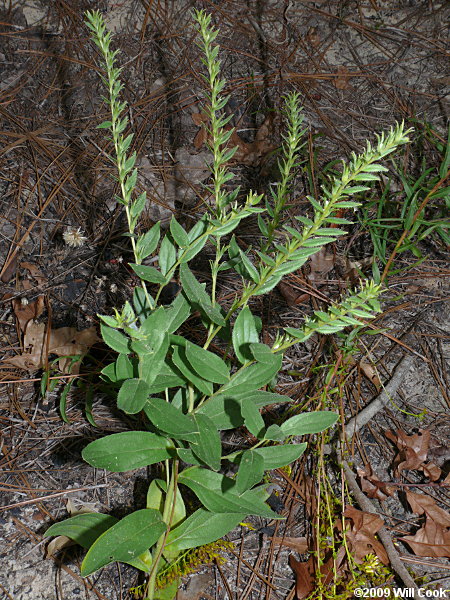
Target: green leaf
column 115, row 340
column 133, row 395
column 148, row 273
column 245, row 332
column 207, row 444
column 251, row 470
column 178, row 233
column 168, row 377
column 198, row 297
column 155, row 499
column 169, row 419
column 274, row 433
column 253, row 377
column 125, row 540
column 253, row 419
column 177, row 313
column 180, row 360
column 138, row 205
column 83, row 529
column 307, row 423
column 262, row 353
column 226, row 412
column 147, row 243
column 128, row 450
column 202, row 527
column 208, row 365
column 274, row 457
column 167, row 254
column 213, row 490
column 151, row 364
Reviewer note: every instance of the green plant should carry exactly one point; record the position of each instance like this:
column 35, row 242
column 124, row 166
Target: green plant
column 187, row 393
column 399, row 221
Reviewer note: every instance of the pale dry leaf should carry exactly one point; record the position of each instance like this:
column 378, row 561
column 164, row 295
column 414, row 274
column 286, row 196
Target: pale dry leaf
column 341, row 82
column 299, row 544
column 369, row 371
column 35, row 272
column 320, row 264
column 25, row 312
column 64, row 342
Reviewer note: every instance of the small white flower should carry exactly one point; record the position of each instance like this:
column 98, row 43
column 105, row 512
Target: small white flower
column 73, row 236
column 24, row 301
column 113, row 288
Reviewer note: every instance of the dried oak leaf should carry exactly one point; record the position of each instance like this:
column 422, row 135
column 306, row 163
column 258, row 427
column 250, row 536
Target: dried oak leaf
column 26, row 312
column 433, row 538
column 320, row 264
column 35, row 272
column 63, row 342
column 299, row 544
column 413, row 452
column 304, row 576
column 372, row 486
column 361, row 536
column 246, row 153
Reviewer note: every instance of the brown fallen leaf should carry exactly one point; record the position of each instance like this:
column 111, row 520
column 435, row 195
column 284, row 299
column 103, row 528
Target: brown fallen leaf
column 26, row 311
column 369, row 371
column 246, row 153
column 341, row 82
column 320, row 264
column 433, row 538
column 430, row 540
column 361, row 535
column 413, row 452
column 63, row 342
column 299, row 544
column 304, row 576
column 35, row 272
column 372, row 486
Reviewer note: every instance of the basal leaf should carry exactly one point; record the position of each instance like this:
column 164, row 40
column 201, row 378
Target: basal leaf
column 202, row 527
column 115, row 340
column 125, row 540
column 274, row 457
column 226, row 413
column 251, row 471
column 208, row 365
column 307, row 423
column 83, row 529
column 180, row 360
column 133, row 395
column 207, row 444
column 245, row 332
column 169, row 419
column 128, row 450
column 253, row 377
column 214, row 492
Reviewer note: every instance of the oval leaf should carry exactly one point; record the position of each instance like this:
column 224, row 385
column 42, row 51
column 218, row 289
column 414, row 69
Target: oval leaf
column 133, row 395
column 127, row 451
column 206, row 364
column 83, row 529
column 312, row 422
column 245, row 332
column 125, row 540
